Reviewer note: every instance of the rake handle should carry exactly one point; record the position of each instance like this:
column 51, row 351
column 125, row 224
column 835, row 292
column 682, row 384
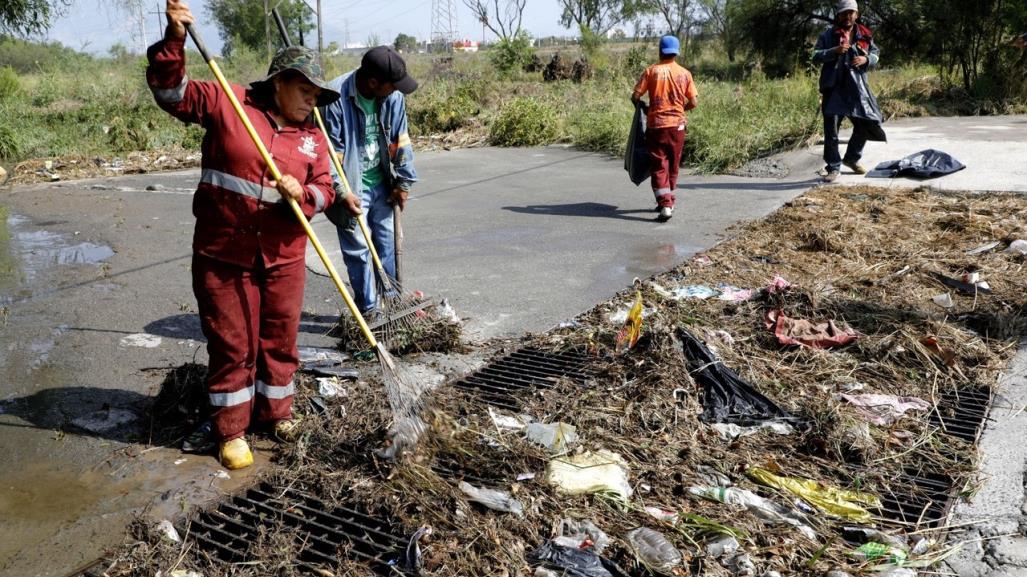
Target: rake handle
column 273, row 168
column 397, row 225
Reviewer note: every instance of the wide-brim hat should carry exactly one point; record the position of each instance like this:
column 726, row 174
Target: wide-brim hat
column 305, row 61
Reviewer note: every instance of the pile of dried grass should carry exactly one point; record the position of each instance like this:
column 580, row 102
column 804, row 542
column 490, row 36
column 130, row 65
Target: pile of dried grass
column 859, row 256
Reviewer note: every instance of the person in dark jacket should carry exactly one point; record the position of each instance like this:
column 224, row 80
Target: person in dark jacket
column 846, row 51
column 248, row 247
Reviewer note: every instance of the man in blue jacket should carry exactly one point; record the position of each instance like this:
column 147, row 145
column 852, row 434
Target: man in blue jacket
column 368, row 128
column 846, row 51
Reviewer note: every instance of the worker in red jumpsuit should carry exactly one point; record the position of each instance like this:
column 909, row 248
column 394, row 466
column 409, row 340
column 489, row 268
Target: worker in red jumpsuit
column 248, row 247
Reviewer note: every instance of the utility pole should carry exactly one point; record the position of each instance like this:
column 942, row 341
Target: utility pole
column 320, row 33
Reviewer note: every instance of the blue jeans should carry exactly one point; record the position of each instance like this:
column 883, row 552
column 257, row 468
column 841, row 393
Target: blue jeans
column 378, row 215
column 853, row 152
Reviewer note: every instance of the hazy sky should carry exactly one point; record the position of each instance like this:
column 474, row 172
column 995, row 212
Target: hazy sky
column 95, row 25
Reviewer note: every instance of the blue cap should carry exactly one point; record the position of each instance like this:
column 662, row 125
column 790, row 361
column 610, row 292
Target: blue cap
column 669, row 45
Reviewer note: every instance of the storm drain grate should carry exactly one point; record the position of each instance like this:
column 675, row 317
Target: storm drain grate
column 524, row 370
column 927, row 496
column 328, row 536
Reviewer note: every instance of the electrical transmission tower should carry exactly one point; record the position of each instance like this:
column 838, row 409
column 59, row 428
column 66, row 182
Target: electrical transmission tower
column 443, row 23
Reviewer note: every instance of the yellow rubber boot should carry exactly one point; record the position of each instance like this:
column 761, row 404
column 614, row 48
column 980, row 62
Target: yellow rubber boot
column 236, row 454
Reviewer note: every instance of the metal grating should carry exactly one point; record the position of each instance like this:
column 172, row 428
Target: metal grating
column 928, row 496
column 328, row 536
column 500, row 382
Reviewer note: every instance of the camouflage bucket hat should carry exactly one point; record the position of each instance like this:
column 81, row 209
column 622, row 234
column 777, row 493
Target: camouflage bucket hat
column 304, row 61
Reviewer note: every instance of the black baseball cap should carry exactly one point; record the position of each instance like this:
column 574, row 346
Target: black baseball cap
column 386, row 65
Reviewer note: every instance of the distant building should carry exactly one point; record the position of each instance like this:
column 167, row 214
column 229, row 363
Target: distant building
column 465, row 46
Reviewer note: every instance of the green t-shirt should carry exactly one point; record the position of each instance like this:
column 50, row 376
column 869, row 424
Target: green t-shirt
column 370, row 161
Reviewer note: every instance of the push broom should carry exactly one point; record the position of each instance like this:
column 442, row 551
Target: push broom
column 402, row 310
column 403, row 390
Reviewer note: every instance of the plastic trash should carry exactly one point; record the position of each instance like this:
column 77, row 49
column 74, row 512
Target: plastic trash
column 1018, row 246
column 897, row 572
column 445, row 311
column 168, row 531
column 929, row 163
column 543, row 572
column 726, row 397
column 636, row 157
column 653, row 550
column 628, row 336
column 493, row 499
column 329, row 387
column 765, row 510
column 885, row 409
column 944, row 300
column 698, row 292
column 725, row 545
column 712, row 477
column 740, row 565
column 184, row 573
column 554, row 436
column 731, row 431
column 581, row 534
column 735, row 294
column 831, row 500
column 574, row 562
column 662, row 514
column 874, row 551
column 837, row 573
column 966, row 287
column 508, row 422
column 985, row 248
column 590, row 472
column 314, row 354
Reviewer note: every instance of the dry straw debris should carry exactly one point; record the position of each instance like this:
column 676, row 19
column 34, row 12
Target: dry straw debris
column 861, row 256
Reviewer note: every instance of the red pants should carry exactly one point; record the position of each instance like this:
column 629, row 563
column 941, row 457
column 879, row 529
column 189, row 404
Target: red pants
column 250, row 318
column 665, row 146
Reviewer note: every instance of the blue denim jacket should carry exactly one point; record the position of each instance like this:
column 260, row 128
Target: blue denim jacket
column 344, row 121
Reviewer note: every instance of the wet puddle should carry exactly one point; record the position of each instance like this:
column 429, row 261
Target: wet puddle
column 29, row 255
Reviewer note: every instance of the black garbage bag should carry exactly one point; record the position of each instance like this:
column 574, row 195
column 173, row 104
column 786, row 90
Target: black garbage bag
column 636, row 157
column 574, row 562
column 726, row 397
column 928, row 163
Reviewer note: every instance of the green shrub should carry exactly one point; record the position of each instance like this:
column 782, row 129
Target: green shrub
column 525, row 122
column 636, row 59
column 602, row 127
column 441, row 112
column 9, row 85
column 9, row 146
column 510, row 54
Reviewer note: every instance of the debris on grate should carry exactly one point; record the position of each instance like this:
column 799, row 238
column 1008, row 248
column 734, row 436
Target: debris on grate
column 501, row 381
column 227, row 530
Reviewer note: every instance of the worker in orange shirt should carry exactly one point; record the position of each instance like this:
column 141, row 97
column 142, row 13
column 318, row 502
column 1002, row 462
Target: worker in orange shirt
column 671, row 93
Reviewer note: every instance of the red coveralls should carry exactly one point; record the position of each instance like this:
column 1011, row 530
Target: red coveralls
column 669, row 86
column 248, row 248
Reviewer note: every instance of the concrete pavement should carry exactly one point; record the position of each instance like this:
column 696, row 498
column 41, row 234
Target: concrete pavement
column 518, row 239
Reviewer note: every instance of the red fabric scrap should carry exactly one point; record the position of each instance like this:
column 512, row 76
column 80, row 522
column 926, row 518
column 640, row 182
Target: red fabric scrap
column 807, row 334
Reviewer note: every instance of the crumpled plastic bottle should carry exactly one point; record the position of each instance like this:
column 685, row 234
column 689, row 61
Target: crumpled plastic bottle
column 654, row 550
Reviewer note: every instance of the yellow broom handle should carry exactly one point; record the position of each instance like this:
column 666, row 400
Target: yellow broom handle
column 278, row 178
column 345, row 183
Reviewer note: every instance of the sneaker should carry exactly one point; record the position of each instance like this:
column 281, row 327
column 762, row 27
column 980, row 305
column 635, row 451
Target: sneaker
column 855, row 166
column 201, row 441
column 831, row 176
column 665, row 213
column 287, row 430
column 235, row 454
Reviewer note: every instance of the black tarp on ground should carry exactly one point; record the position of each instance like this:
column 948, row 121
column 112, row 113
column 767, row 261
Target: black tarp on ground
column 726, row 397
column 636, row 157
column 928, row 163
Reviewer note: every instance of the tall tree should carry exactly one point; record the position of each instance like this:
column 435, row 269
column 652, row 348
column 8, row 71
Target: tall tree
column 717, row 14
column 502, row 17
column 246, row 22
column 29, row 17
column 599, row 16
column 405, row 43
column 678, row 16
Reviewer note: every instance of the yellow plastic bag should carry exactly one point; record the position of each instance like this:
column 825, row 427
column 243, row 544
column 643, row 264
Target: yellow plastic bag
column 628, row 336
column 830, row 500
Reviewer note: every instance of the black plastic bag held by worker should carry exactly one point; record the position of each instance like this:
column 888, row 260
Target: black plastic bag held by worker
column 636, row 157
column 726, row 397
column 574, row 562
